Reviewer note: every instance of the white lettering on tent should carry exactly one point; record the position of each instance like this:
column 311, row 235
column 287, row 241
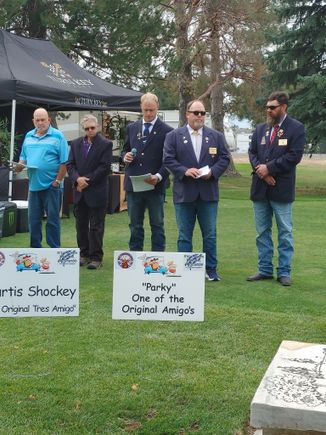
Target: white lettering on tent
column 73, row 82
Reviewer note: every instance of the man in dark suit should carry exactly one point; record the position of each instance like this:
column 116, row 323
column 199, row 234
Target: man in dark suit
column 197, row 157
column 88, row 167
column 276, row 148
column 142, row 154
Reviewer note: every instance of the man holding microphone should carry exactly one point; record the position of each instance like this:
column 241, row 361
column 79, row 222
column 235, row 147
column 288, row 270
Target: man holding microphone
column 142, row 154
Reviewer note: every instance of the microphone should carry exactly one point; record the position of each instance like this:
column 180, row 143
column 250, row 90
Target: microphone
column 133, row 152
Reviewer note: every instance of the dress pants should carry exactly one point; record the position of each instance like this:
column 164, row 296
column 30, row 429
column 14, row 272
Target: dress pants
column 90, row 223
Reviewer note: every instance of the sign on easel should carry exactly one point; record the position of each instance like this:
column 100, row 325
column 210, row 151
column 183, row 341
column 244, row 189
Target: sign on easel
column 39, row 282
column 158, row 286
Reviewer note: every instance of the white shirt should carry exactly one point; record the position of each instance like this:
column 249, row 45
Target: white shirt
column 196, row 139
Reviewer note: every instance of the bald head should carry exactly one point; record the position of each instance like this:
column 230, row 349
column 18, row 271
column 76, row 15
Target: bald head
column 41, row 121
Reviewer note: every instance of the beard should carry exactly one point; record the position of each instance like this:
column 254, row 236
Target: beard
column 271, row 121
column 198, row 124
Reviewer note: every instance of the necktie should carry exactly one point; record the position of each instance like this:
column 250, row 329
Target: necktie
column 146, row 130
column 273, row 136
column 87, row 146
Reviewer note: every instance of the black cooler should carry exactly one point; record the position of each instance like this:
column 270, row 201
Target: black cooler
column 8, row 218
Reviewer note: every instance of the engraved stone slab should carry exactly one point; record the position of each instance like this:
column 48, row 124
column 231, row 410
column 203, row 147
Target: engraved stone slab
column 292, row 394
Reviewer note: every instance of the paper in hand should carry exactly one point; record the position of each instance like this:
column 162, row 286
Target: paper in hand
column 203, row 171
column 139, row 184
column 13, row 165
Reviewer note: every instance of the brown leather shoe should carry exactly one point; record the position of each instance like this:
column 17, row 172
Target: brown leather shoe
column 259, row 277
column 83, row 261
column 94, row 265
column 284, row 280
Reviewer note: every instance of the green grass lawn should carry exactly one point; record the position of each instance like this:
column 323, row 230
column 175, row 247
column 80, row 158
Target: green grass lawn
column 92, row 375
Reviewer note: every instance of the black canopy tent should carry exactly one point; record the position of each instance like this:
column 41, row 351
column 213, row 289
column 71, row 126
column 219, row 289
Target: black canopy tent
column 35, row 72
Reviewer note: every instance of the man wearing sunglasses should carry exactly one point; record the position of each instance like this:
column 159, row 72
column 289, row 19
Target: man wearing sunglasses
column 197, row 157
column 88, row 167
column 275, row 150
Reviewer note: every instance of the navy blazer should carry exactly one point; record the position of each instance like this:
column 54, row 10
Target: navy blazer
column 95, row 166
column 179, row 156
column 280, row 157
column 149, row 155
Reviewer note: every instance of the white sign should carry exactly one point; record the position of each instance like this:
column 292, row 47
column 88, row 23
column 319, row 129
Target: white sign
column 158, row 286
column 39, row 282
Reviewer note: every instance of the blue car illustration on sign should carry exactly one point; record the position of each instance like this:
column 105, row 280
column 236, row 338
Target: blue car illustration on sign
column 27, row 262
column 154, row 265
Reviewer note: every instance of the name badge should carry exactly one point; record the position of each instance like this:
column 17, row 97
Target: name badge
column 212, row 150
column 263, row 141
column 282, row 142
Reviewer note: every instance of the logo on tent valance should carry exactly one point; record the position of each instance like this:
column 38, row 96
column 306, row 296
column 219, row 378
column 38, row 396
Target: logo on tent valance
column 59, row 75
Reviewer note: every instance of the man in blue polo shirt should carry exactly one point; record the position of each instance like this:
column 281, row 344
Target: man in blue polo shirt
column 44, row 152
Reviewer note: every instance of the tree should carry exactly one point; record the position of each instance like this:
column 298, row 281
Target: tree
column 218, row 47
column 122, row 40
column 298, row 63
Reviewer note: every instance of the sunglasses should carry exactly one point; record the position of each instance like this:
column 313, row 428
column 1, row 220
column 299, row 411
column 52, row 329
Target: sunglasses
column 272, row 107
column 89, row 128
column 197, row 112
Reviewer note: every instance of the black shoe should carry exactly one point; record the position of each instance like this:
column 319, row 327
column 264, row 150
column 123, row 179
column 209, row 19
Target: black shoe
column 259, row 277
column 284, row 280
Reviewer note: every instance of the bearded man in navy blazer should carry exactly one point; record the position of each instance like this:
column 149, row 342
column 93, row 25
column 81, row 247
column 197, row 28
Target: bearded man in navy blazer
column 142, row 154
column 197, row 157
column 88, row 167
column 276, row 149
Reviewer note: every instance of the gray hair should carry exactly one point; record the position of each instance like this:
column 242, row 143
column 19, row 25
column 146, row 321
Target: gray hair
column 88, row 118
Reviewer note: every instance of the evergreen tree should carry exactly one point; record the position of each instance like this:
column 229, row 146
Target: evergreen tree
column 298, row 63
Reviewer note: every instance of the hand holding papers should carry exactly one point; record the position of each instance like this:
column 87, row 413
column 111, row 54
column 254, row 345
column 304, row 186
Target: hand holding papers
column 203, row 171
column 16, row 166
column 139, row 184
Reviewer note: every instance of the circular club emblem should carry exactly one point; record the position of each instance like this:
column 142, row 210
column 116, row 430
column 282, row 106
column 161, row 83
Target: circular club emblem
column 2, row 259
column 125, row 260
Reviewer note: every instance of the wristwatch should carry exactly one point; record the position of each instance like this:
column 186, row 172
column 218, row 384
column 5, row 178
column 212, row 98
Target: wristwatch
column 58, row 182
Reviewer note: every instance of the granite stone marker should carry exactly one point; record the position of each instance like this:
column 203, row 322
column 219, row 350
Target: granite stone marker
column 291, row 398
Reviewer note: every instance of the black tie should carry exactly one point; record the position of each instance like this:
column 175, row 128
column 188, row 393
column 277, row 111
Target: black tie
column 146, row 130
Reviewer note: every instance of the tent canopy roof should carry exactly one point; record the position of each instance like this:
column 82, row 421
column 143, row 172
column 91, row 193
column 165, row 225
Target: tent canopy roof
column 36, row 71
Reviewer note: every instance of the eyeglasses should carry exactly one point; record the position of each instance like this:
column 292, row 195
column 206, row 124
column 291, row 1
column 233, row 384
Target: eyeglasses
column 89, row 128
column 272, row 107
column 197, row 112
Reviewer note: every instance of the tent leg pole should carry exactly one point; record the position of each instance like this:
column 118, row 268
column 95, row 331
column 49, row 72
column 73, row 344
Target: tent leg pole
column 12, row 145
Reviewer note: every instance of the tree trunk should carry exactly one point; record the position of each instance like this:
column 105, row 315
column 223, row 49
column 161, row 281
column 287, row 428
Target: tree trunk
column 216, row 94
column 182, row 50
